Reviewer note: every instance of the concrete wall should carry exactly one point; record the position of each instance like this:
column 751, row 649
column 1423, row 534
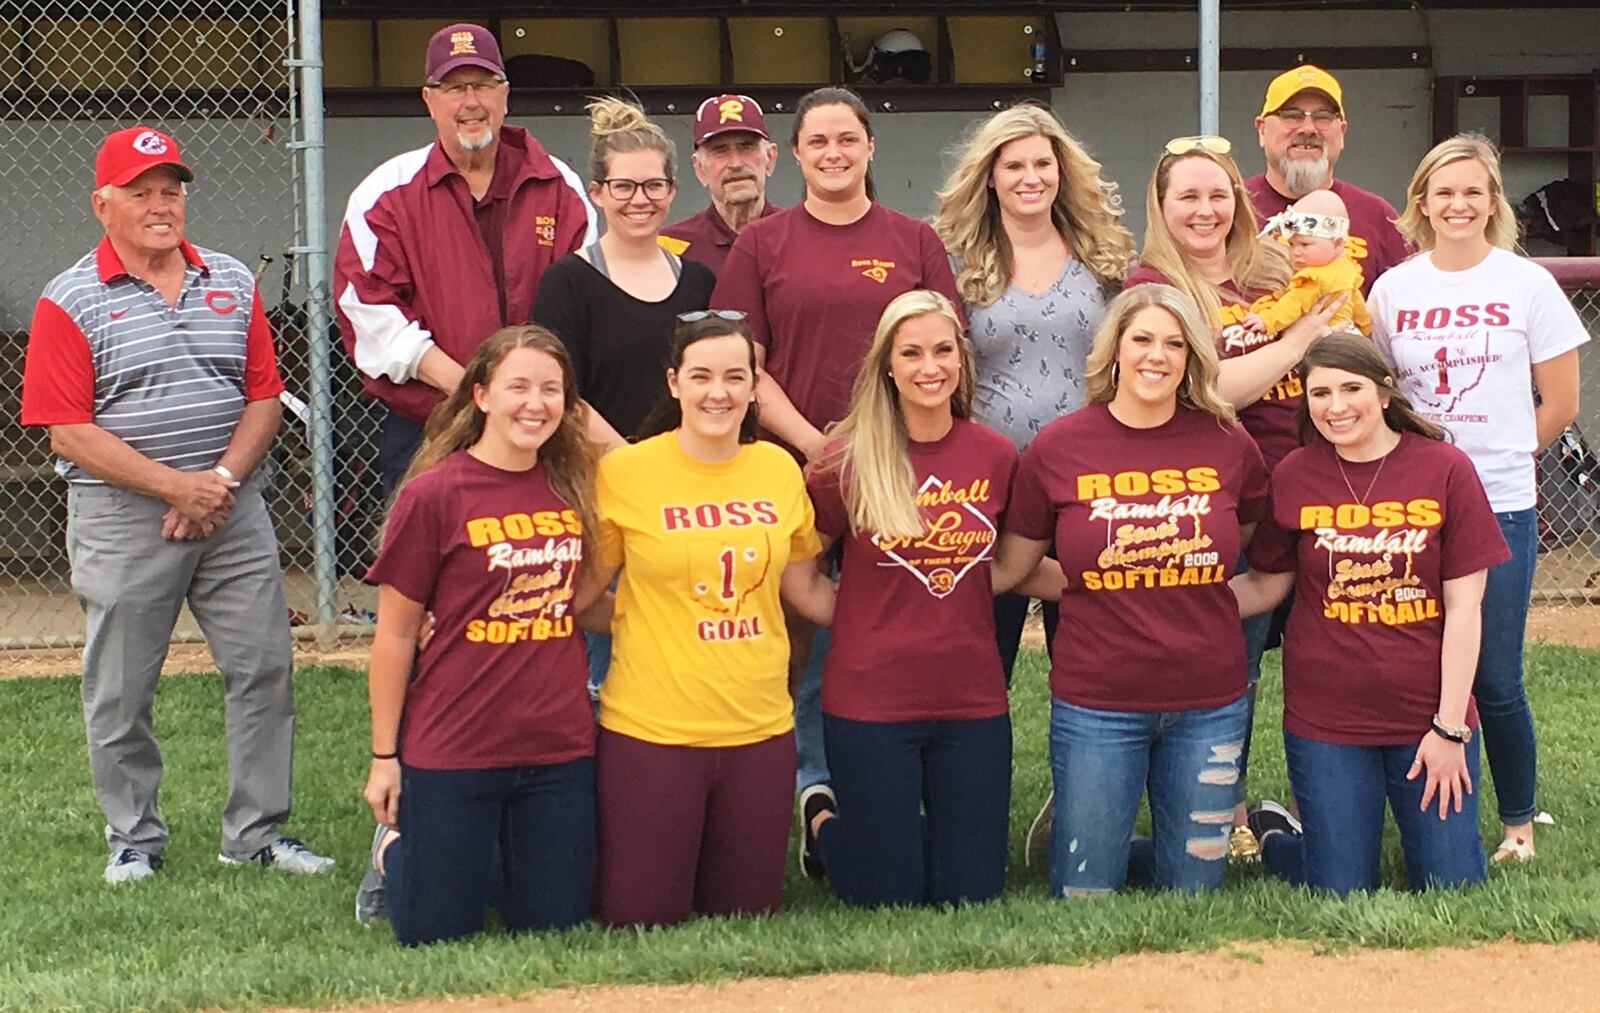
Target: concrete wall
column 1124, row 118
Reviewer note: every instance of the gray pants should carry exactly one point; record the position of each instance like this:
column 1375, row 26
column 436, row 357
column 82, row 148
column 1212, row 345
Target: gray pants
column 131, row 583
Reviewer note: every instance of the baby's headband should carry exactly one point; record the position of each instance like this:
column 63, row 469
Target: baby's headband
column 1301, row 223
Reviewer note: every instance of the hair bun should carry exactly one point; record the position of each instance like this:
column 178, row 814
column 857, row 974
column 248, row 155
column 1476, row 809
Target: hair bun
column 609, row 115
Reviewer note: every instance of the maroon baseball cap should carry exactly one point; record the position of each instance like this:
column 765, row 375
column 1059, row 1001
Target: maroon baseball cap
column 462, row 45
column 125, row 154
column 723, row 113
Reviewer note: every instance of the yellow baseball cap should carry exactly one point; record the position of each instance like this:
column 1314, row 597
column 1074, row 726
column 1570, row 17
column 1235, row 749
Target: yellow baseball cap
column 1303, row 78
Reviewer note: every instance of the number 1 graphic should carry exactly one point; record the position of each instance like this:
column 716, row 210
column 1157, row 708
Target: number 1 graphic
column 1444, row 372
column 726, row 559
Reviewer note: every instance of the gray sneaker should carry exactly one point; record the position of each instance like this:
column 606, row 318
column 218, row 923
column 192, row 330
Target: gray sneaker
column 129, row 864
column 372, row 903
column 1040, row 833
column 286, row 853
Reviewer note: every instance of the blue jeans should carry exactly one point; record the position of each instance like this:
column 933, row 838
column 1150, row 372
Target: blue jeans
column 521, row 837
column 923, row 810
column 811, row 753
column 1502, row 702
column 398, row 439
column 597, row 648
column 1010, row 615
column 1340, row 791
column 1102, row 761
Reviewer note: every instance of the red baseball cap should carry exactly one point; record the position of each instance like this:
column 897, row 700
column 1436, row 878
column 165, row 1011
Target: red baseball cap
column 462, row 45
column 126, row 154
column 724, row 113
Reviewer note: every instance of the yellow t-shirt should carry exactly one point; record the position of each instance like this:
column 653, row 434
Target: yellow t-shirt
column 700, row 655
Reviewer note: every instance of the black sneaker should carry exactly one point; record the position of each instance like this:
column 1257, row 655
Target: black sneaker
column 814, row 799
column 1268, row 817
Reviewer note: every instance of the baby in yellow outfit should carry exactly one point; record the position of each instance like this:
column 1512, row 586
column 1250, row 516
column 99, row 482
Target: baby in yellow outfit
column 1317, row 230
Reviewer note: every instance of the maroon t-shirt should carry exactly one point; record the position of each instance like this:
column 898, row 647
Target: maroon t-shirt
column 913, row 628
column 494, row 556
column 1273, row 419
column 814, row 293
column 1371, row 219
column 1361, row 649
column 706, row 237
column 1146, row 525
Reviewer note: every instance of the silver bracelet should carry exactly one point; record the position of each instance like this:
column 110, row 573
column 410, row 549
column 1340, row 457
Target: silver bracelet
column 225, row 473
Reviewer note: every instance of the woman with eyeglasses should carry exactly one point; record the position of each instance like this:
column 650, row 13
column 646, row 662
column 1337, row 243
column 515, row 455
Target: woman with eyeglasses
column 1201, row 238
column 695, row 758
column 614, row 303
column 1472, row 328
column 814, row 279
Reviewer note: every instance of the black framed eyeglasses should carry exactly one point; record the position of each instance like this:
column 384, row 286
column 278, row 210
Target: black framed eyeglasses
column 734, row 316
column 624, row 189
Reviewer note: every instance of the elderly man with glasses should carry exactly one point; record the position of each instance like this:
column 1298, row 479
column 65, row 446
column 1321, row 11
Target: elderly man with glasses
column 444, row 245
column 1302, row 128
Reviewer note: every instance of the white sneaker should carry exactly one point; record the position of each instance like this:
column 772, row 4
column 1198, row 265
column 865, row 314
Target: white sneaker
column 130, row 864
column 286, row 853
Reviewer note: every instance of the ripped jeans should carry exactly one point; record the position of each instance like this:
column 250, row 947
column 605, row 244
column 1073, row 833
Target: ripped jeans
column 1102, row 762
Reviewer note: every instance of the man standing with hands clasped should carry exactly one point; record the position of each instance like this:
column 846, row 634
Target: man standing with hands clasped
column 152, row 365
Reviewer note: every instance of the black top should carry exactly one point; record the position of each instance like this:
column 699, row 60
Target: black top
column 619, row 345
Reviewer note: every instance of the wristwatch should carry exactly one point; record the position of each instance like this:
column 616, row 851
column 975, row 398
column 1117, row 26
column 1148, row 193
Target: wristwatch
column 1455, row 733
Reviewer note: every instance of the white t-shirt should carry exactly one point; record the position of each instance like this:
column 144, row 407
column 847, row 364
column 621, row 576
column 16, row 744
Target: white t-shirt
column 1463, row 344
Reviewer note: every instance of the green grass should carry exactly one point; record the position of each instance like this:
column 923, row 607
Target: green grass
column 203, row 935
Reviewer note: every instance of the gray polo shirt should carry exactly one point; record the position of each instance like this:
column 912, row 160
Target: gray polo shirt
column 170, row 381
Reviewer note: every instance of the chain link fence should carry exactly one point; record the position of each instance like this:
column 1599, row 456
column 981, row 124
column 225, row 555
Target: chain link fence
column 215, row 75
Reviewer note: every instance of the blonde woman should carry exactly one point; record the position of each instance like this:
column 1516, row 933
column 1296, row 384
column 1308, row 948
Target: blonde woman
column 913, row 697
column 1201, row 238
column 1035, row 235
column 1149, row 494
column 1471, row 329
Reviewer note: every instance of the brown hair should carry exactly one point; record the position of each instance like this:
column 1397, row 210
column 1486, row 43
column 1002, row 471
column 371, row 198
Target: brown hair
column 668, row 415
column 617, row 125
column 1255, row 265
column 835, row 97
column 1356, row 354
column 569, row 458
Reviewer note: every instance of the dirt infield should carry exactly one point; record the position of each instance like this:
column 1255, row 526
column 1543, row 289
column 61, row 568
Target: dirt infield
column 1266, row 976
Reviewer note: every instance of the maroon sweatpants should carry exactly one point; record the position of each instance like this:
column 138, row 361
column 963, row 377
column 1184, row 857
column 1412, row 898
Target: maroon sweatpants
column 684, row 829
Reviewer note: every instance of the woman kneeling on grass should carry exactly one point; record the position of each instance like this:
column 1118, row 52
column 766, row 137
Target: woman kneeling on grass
column 913, row 694
column 1392, row 536
column 696, row 755
column 491, row 744
column 1148, row 492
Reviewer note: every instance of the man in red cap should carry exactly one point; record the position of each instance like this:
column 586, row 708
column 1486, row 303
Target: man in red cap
column 733, row 158
column 151, row 363
column 1301, row 129
column 444, row 245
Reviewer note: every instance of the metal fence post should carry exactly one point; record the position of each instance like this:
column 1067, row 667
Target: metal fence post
column 313, row 261
column 1210, row 65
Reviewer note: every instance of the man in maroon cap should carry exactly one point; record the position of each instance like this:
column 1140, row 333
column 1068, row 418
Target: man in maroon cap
column 733, row 157
column 151, row 363
column 444, row 245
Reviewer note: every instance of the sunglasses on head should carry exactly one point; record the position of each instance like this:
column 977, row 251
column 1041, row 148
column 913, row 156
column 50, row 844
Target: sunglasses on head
column 696, row 315
column 1199, row 142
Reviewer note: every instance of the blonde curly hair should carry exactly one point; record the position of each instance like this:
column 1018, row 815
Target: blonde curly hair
column 1086, row 209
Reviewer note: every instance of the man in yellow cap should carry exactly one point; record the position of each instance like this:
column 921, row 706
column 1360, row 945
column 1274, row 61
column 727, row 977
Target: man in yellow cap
column 1301, row 129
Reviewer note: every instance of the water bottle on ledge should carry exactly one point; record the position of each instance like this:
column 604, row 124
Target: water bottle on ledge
column 1039, row 72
